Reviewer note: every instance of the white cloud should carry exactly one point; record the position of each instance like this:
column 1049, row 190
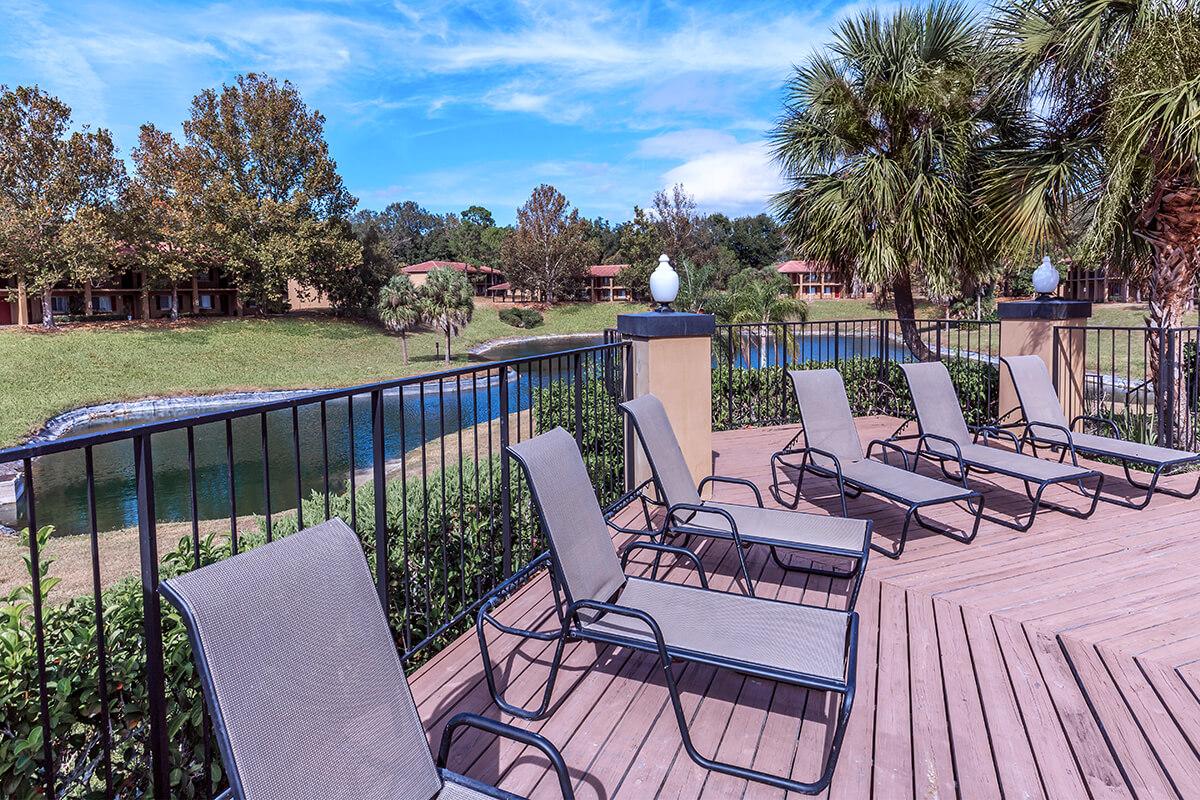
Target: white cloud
column 740, row 177
column 689, row 143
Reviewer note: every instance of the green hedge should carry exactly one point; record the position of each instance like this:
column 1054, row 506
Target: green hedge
column 765, row 396
column 443, row 554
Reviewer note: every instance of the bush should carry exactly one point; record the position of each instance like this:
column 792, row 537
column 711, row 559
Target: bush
column 765, row 396
column 521, row 317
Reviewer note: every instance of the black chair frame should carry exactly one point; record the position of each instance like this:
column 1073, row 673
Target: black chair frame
column 572, row 628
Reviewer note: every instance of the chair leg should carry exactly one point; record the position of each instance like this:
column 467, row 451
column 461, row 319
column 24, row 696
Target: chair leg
column 776, row 460
column 559, row 637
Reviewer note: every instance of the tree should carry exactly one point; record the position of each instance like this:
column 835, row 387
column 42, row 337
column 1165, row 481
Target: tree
column 400, row 309
column 551, row 248
column 640, row 247
column 274, row 203
column 1116, row 143
column 57, row 192
column 408, row 234
column 475, row 238
column 160, row 215
column 883, row 141
column 678, row 225
column 449, row 302
column 759, row 298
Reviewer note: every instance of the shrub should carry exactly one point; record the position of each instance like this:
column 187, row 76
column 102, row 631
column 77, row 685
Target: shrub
column 521, row 317
column 765, row 397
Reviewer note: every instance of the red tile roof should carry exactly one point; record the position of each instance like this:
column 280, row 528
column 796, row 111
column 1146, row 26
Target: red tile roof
column 605, row 270
column 789, row 267
column 499, row 287
column 458, row 266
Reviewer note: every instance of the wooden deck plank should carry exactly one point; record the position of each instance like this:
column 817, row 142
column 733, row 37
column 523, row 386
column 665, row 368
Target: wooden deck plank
column 1029, row 664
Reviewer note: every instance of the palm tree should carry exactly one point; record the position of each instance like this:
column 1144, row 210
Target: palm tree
column 449, row 302
column 882, row 141
column 762, row 298
column 400, row 308
column 1117, row 85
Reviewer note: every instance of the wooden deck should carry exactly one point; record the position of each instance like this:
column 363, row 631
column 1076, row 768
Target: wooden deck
column 1059, row 663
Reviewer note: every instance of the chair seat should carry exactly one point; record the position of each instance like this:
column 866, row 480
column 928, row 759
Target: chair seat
column 736, row 629
column 1120, row 448
column 908, row 486
column 457, row 791
column 1016, row 464
column 792, row 529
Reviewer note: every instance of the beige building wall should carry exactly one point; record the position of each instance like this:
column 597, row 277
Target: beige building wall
column 1020, row 337
column 678, row 371
column 305, row 298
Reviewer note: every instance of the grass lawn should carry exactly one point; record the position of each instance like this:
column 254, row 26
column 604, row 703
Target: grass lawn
column 45, row 374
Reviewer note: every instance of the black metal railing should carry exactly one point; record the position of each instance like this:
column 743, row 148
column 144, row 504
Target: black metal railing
column 750, row 363
column 1144, row 379
column 101, row 699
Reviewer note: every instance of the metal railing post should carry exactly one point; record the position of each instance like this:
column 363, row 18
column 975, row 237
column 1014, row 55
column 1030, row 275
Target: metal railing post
column 505, row 479
column 157, row 743
column 380, row 487
column 578, row 378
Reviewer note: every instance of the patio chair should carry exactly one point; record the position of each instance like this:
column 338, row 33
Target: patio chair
column 832, row 449
column 945, row 437
column 305, row 688
column 1046, row 426
column 597, row 602
column 689, row 515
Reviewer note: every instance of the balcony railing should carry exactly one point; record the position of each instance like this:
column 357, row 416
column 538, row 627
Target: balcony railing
column 102, row 700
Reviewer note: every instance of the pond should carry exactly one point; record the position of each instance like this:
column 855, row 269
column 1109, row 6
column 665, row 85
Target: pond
column 426, row 413
column 753, row 351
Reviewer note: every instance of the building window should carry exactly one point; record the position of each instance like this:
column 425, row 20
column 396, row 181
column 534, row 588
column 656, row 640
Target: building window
column 206, row 302
column 102, row 304
column 164, row 302
column 812, row 290
column 59, row 304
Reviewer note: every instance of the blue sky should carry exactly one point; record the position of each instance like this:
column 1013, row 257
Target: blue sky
column 455, row 103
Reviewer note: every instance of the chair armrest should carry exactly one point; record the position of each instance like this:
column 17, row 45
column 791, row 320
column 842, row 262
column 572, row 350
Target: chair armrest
column 622, row 611
column 962, row 467
column 1112, row 426
column 837, row 462
column 886, row 445
column 665, row 548
column 727, row 479
column 989, row 431
column 1070, row 442
column 506, row 731
column 701, row 509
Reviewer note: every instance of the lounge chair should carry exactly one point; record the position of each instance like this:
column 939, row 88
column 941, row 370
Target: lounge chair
column 1046, row 426
column 833, row 450
column 596, row 602
column 688, row 515
column 305, row 688
column 945, row 437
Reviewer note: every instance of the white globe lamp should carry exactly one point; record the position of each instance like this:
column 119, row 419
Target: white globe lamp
column 664, row 284
column 1045, row 279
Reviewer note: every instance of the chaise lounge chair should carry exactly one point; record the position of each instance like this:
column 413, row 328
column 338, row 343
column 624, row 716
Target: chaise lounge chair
column 688, row 515
column 944, row 437
column 833, row 450
column 307, row 695
column 1046, row 426
column 596, row 602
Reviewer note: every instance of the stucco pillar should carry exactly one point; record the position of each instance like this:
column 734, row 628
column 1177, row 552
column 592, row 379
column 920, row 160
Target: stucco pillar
column 672, row 359
column 1028, row 327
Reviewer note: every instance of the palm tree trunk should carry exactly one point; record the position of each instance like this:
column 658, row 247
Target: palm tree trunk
column 404, row 346
column 906, row 312
column 1175, row 241
column 22, row 303
column 447, row 339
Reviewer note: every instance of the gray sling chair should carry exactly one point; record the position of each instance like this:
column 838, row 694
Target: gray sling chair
column 307, row 695
column 945, row 437
column 833, row 450
column 1046, row 426
column 689, row 515
column 596, row 602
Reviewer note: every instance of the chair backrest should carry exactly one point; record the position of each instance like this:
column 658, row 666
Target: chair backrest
column 825, row 412
column 935, row 400
column 581, row 546
column 1035, row 390
column 671, row 473
column 307, row 694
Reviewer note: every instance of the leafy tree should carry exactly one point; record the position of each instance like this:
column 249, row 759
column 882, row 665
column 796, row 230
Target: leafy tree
column 756, row 241
column 474, row 237
column 57, row 192
column 274, row 203
column 550, row 249
column 408, row 234
column 883, row 141
column 757, row 297
column 1116, row 142
column 449, row 302
column 401, row 309
column 607, row 238
column 641, row 246
column 678, row 225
